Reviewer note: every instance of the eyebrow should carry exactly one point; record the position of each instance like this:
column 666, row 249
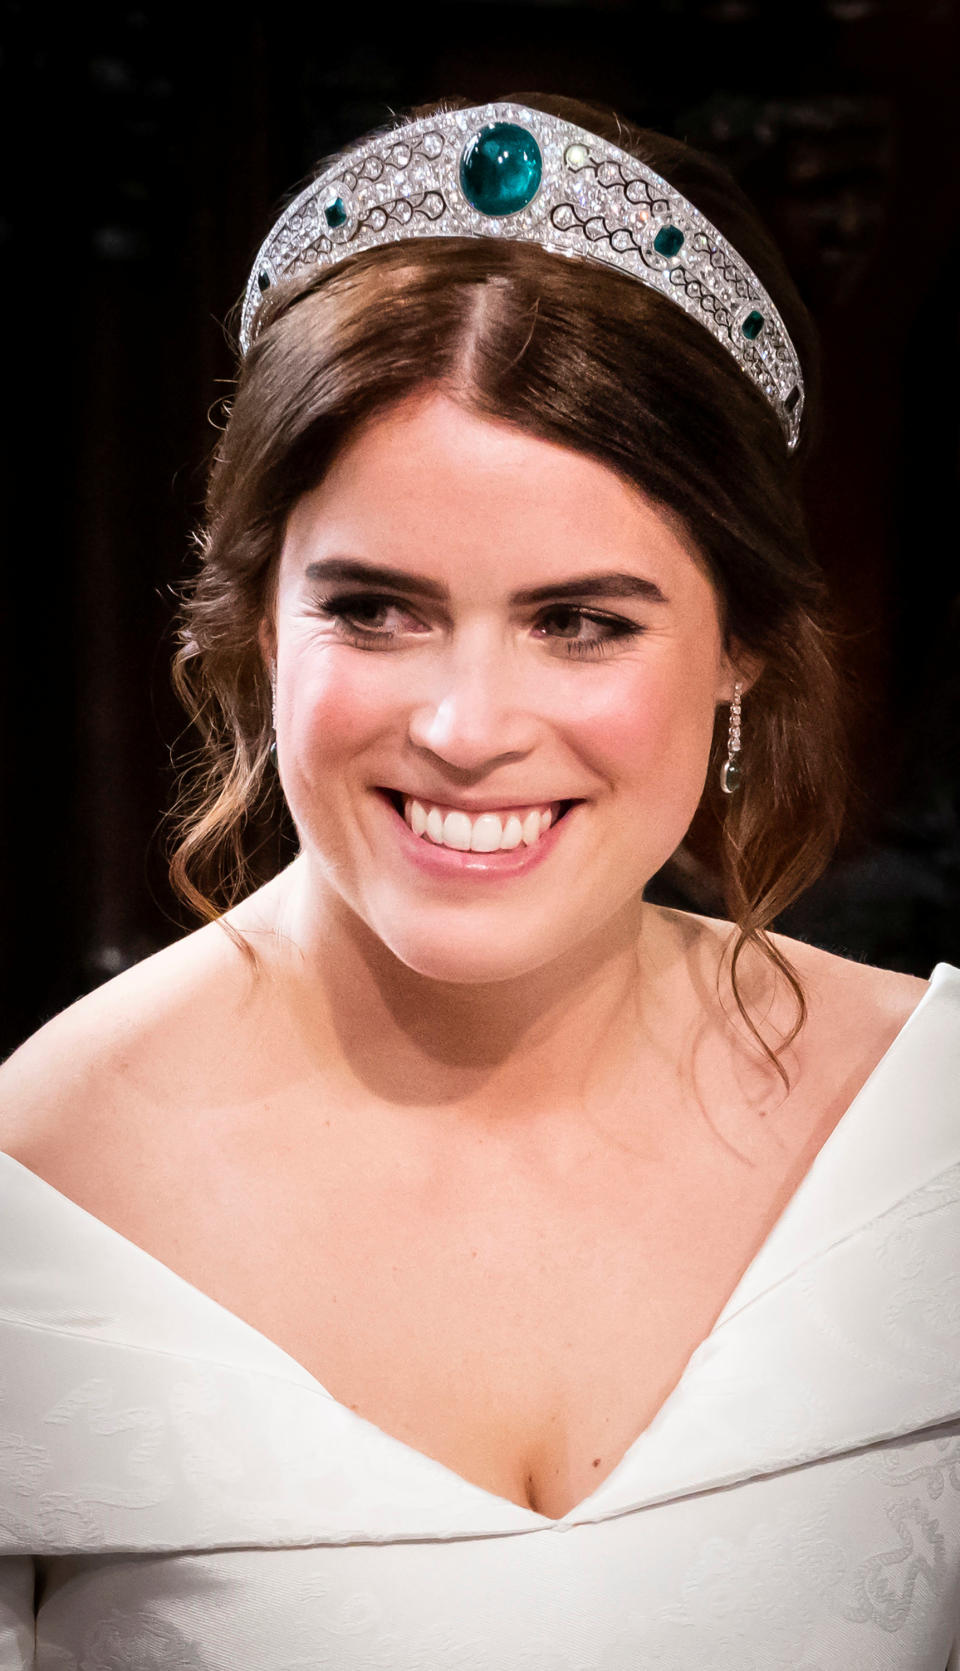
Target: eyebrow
column 613, row 585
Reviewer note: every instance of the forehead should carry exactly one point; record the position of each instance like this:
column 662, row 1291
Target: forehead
column 479, row 502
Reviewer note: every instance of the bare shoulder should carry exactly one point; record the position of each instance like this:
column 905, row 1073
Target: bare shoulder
column 860, row 990
column 841, row 991
column 131, row 1042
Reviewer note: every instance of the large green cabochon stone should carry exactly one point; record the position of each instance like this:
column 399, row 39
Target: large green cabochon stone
column 500, row 169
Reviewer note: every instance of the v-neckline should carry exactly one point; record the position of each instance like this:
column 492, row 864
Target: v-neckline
column 270, row 1349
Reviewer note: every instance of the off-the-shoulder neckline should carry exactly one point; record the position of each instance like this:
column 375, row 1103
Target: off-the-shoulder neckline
column 942, row 974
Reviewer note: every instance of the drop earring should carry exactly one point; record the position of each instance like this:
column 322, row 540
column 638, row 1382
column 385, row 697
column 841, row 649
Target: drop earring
column 731, row 773
column 273, row 745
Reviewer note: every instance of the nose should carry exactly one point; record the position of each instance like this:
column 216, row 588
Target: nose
column 475, row 713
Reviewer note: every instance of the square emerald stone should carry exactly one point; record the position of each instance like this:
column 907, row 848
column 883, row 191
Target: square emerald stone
column 668, row 241
column 335, row 213
column 752, row 325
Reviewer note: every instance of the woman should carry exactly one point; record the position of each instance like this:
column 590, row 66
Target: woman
column 443, row 1194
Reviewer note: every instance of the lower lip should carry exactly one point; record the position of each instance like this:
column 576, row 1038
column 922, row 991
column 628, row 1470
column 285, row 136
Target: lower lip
column 448, row 861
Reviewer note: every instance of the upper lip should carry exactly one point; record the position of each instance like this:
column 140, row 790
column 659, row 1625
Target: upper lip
column 471, row 804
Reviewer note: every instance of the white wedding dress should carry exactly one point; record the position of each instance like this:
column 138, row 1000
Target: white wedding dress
column 178, row 1494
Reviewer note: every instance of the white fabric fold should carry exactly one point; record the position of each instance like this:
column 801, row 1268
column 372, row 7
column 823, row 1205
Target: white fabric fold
column 138, row 1417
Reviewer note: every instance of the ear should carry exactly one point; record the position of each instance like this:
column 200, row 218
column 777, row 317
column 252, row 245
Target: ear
column 267, row 639
column 738, row 665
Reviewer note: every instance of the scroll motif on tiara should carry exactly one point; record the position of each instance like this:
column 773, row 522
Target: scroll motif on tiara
column 503, row 171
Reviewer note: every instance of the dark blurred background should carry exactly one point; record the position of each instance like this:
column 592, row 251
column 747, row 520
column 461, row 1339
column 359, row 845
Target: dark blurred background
column 148, row 149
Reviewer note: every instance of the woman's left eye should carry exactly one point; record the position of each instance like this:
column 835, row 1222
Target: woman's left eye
column 613, row 625
column 353, row 616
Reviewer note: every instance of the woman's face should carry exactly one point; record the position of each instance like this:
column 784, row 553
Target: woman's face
column 444, row 682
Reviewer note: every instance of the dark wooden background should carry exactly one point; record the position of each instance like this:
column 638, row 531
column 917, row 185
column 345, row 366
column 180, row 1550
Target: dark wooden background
column 147, row 150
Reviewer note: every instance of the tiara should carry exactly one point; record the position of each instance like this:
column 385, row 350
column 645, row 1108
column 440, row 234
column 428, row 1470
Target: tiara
column 504, row 171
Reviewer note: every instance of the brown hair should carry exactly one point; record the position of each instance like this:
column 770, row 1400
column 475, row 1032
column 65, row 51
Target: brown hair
column 576, row 353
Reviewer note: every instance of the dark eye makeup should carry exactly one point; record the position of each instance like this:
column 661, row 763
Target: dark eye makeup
column 346, row 610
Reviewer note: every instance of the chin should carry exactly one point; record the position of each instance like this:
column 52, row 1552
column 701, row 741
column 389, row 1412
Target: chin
column 468, row 958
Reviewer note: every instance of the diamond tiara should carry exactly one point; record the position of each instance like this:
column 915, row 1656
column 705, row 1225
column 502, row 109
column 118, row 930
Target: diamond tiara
column 504, row 171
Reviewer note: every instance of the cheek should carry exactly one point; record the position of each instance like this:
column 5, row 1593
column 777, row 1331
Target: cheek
column 337, row 705
column 657, row 724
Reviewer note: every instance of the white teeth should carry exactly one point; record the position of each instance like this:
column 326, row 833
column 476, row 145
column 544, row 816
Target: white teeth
column 456, row 831
column 531, row 828
column 488, row 832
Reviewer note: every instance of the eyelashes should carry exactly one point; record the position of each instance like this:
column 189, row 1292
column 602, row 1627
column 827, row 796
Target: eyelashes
column 342, row 611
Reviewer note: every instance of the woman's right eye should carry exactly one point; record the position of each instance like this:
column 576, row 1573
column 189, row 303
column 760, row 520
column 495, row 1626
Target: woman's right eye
column 347, row 612
column 363, row 610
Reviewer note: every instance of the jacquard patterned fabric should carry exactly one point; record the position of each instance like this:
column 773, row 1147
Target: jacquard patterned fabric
column 180, row 1495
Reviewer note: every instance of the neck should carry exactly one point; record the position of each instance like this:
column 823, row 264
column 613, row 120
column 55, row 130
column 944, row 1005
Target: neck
column 589, row 1027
